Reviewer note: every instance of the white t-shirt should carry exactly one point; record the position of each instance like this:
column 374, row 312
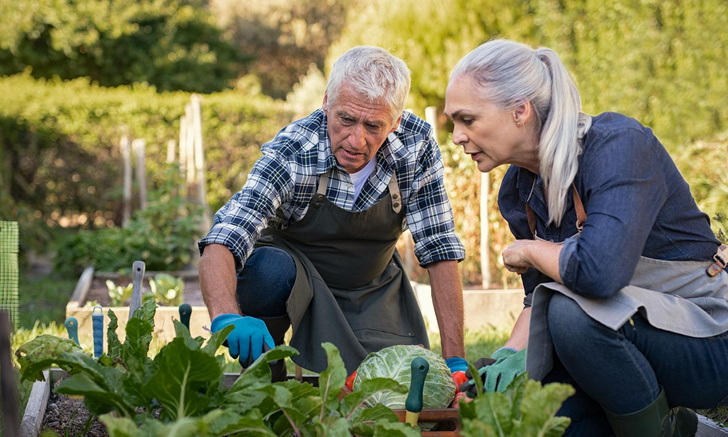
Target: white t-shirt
column 360, row 177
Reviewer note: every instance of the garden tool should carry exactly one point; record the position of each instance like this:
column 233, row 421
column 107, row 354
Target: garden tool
column 413, row 403
column 721, row 261
column 136, row 292
column 185, row 311
column 71, row 325
column 97, row 319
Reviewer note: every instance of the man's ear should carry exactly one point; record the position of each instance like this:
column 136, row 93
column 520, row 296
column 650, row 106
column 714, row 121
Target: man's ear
column 396, row 124
column 325, row 102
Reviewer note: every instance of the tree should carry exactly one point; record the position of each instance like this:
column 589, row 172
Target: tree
column 169, row 44
column 284, row 36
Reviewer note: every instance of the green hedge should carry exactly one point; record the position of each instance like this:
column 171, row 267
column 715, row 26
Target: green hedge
column 59, row 143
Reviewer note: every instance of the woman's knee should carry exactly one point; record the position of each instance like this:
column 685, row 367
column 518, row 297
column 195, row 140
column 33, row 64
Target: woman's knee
column 567, row 321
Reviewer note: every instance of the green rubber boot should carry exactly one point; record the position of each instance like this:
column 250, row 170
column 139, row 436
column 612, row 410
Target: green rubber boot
column 277, row 326
column 655, row 420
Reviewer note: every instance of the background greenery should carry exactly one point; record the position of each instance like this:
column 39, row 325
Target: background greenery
column 77, row 75
column 82, row 74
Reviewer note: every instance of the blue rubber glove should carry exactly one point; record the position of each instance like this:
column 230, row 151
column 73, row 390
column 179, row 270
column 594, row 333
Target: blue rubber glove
column 509, row 363
column 246, row 341
column 457, row 364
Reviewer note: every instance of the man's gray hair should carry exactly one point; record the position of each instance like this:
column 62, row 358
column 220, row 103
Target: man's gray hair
column 374, row 73
column 510, row 74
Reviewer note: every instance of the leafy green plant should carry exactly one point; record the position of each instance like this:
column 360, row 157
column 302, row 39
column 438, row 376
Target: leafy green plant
column 118, row 294
column 524, row 408
column 166, row 289
column 182, row 391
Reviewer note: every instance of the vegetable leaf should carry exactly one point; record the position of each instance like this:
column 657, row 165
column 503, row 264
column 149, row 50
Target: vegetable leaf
column 181, row 378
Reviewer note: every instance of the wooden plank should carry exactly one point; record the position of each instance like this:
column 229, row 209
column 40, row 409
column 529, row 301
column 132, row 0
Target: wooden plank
column 82, row 286
column 36, row 406
column 708, row 428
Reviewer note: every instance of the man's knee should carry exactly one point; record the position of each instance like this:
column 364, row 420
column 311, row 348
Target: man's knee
column 266, row 282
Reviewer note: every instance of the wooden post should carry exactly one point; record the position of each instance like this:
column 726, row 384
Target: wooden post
column 126, row 156
column 171, row 151
column 138, row 147
column 190, row 145
column 484, row 231
column 431, row 118
column 200, row 162
column 182, row 145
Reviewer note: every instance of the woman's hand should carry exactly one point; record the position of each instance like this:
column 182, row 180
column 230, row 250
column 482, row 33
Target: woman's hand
column 541, row 255
column 515, row 256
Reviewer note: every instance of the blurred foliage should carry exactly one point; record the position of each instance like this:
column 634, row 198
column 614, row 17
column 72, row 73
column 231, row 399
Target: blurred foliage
column 163, row 235
column 61, row 160
column 285, row 37
column 661, row 62
column 168, row 44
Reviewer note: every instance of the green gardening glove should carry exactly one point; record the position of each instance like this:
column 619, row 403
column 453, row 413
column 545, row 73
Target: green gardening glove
column 496, row 372
column 509, row 363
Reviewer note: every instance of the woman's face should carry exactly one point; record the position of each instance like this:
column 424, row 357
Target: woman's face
column 488, row 133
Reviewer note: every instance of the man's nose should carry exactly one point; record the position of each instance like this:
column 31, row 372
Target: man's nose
column 359, row 135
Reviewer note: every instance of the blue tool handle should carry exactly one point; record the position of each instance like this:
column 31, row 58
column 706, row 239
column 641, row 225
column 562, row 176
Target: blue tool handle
column 71, row 325
column 185, row 310
column 97, row 318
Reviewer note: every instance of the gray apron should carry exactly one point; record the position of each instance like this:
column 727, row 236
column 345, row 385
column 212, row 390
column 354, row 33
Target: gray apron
column 350, row 287
column 675, row 296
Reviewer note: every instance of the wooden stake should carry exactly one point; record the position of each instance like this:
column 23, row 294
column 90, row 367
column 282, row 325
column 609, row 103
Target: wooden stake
column 126, row 156
column 138, row 147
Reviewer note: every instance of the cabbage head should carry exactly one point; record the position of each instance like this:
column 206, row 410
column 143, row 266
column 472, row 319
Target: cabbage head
column 394, row 362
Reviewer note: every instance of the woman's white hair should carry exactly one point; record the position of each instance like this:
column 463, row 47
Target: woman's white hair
column 511, row 74
column 374, row 73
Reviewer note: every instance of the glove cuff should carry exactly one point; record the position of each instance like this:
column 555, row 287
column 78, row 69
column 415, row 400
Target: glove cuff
column 223, row 320
column 457, row 364
column 503, row 352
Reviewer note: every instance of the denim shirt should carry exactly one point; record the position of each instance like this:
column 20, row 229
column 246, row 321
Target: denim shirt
column 637, row 204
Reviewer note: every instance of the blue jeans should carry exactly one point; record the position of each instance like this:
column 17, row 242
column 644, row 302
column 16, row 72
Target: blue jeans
column 623, row 370
column 266, row 282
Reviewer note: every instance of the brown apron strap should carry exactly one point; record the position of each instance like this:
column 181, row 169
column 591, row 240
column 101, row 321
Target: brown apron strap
column 721, row 261
column 578, row 205
column 580, row 212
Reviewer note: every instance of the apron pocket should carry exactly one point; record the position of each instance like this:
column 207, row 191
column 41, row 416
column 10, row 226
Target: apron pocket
column 373, row 340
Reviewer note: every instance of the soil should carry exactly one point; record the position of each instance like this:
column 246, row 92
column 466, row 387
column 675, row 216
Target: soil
column 69, row 416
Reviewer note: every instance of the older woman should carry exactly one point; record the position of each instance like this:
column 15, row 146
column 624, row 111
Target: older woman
column 626, row 296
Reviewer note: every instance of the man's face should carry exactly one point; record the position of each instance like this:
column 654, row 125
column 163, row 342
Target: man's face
column 357, row 128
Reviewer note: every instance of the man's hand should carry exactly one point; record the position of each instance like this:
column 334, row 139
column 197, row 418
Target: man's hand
column 248, row 339
column 497, row 371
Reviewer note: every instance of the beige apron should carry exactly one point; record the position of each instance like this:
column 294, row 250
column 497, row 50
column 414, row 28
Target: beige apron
column 350, row 287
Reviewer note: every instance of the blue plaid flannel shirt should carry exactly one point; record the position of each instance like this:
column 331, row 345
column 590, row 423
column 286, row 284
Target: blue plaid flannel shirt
column 283, row 181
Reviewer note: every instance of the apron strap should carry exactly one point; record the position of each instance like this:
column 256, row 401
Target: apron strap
column 395, row 194
column 323, row 183
column 578, row 205
column 393, row 190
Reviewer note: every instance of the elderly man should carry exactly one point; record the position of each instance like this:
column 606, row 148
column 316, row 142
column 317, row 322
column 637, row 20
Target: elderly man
column 310, row 239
